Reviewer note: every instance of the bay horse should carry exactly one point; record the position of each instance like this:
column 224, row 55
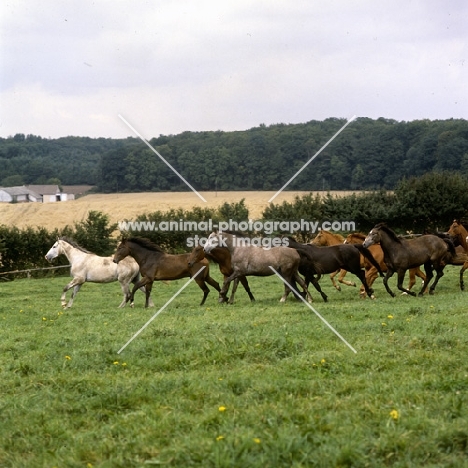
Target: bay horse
column 86, row 266
column 377, row 253
column 222, row 257
column 249, row 260
column 460, row 233
column 402, row 254
column 157, row 265
column 316, row 261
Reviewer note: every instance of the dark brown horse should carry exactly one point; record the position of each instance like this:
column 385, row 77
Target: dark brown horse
column 222, row 257
column 316, row 261
column 326, row 239
column 157, row 265
column 377, row 253
column 402, row 254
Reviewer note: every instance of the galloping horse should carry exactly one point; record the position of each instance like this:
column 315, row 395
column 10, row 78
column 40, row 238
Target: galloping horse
column 459, row 231
column 86, row 266
column 157, row 265
column 402, row 254
column 316, row 261
column 327, row 239
column 222, row 257
column 248, row 260
column 377, row 253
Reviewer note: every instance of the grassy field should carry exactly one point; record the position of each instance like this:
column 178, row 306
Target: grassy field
column 121, row 206
column 258, row 384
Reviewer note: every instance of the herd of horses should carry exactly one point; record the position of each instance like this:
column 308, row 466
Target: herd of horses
column 381, row 252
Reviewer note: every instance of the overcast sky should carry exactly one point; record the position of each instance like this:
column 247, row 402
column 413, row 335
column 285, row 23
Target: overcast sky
column 71, row 67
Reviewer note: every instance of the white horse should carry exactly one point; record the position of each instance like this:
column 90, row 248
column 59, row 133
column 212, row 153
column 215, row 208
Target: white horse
column 86, row 266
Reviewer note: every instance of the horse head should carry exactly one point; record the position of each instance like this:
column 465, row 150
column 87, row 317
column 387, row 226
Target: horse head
column 215, row 239
column 196, row 255
column 54, row 251
column 122, row 251
column 373, row 237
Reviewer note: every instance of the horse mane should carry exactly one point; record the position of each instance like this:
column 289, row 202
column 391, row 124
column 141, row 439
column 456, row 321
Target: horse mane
column 145, row 243
column 386, row 229
column 234, row 233
column 333, row 234
column 359, row 235
column 73, row 243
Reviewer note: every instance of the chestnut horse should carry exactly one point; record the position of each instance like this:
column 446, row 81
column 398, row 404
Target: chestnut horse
column 459, row 231
column 157, row 265
column 222, row 257
column 402, row 254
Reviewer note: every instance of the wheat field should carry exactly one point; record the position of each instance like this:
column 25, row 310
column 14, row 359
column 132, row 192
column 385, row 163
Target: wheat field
column 126, row 206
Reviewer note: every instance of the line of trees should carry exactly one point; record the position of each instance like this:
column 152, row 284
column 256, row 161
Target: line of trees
column 368, row 155
column 421, row 204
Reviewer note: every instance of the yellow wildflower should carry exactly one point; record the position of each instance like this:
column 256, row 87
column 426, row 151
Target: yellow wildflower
column 222, row 408
column 390, row 316
column 394, row 414
column 68, row 358
column 256, row 440
column 219, row 438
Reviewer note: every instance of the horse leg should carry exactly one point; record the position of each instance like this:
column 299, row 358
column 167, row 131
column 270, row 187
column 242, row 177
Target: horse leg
column 463, row 268
column 342, row 281
column 362, row 277
column 222, row 297
column 72, row 284
column 302, row 283
column 316, row 284
column 148, row 288
column 245, row 283
column 138, row 285
column 332, row 277
column 439, row 274
column 234, row 289
column 135, row 279
column 226, row 285
column 420, row 274
column 412, row 278
column 385, row 282
column 371, row 276
column 202, row 285
column 401, row 279
column 429, row 275
column 76, row 288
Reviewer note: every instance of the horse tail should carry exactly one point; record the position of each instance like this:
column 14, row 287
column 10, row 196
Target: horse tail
column 364, row 251
column 136, row 278
column 450, row 246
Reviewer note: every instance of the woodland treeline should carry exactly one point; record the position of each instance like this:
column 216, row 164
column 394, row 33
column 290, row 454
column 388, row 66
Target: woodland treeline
column 424, row 204
column 368, row 155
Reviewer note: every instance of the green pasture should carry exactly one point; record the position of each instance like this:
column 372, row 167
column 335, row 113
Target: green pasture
column 258, row 384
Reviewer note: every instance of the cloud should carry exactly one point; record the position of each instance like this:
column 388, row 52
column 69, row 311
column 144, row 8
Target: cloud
column 72, row 67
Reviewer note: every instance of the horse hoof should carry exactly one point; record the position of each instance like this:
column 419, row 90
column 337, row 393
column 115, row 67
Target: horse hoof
column 132, row 305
